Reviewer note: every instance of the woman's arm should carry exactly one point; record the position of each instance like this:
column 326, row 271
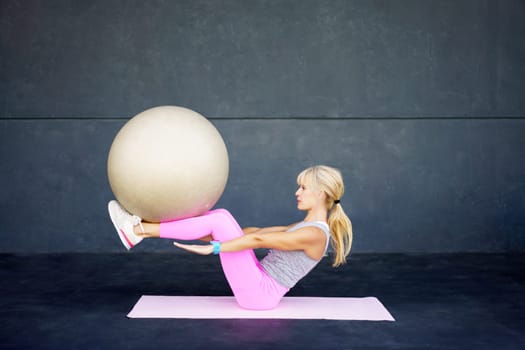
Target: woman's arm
column 251, row 230
column 300, row 239
column 308, row 239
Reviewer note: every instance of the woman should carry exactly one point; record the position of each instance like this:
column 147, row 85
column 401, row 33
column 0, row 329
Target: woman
column 294, row 249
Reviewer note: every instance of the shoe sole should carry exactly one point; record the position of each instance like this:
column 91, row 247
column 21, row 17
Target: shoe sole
column 123, row 238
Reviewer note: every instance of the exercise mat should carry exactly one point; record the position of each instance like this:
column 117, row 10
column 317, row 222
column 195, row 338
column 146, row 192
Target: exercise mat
column 206, row 307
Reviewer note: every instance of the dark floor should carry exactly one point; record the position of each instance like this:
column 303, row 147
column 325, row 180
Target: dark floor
column 80, row 301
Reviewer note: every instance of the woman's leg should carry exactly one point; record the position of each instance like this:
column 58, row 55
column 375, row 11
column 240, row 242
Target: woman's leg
column 152, row 230
column 252, row 287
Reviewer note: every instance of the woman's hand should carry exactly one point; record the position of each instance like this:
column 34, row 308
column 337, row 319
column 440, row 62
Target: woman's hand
column 201, row 249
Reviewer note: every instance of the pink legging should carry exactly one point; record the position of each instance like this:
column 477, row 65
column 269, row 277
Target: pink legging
column 252, row 287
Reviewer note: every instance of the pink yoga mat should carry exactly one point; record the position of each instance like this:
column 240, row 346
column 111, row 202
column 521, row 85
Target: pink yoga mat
column 367, row 308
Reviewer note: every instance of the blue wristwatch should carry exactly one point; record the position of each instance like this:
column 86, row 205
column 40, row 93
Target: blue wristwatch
column 216, row 247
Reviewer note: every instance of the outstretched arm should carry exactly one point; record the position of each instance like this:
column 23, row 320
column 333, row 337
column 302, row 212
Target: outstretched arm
column 251, row 230
column 306, row 238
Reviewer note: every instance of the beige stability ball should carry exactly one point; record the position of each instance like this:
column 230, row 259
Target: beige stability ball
column 168, row 163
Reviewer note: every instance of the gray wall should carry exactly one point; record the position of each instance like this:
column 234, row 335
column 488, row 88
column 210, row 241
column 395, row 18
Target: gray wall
column 420, row 103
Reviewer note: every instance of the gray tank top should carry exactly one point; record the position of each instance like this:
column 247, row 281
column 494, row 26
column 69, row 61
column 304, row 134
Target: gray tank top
column 288, row 267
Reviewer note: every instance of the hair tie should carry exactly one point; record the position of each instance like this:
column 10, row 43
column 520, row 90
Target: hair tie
column 337, row 201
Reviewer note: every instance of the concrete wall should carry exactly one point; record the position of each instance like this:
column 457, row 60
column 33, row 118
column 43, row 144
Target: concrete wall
column 421, row 104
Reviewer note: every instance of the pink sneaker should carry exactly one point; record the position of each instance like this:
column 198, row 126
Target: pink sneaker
column 124, row 223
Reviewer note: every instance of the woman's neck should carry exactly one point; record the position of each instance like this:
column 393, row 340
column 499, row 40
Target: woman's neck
column 316, row 215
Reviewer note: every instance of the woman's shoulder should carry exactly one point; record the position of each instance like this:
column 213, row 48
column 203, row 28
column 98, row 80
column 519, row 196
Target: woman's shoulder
column 319, row 224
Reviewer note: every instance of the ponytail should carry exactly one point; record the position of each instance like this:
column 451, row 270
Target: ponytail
column 341, row 234
column 330, row 181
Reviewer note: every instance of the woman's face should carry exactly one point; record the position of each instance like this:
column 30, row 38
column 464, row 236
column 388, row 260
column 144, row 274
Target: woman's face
column 307, row 197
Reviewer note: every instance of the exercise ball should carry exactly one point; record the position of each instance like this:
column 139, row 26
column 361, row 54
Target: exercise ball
column 168, row 163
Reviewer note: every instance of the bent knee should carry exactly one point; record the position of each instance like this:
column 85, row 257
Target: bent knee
column 220, row 211
column 223, row 213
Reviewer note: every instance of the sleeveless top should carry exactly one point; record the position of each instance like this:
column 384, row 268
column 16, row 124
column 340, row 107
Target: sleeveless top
column 288, row 267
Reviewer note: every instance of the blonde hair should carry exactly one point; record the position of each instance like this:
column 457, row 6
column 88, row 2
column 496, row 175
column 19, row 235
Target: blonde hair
column 330, row 180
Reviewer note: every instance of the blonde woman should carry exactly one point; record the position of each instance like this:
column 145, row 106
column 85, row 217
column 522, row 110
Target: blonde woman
column 294, row 250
